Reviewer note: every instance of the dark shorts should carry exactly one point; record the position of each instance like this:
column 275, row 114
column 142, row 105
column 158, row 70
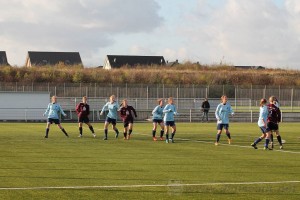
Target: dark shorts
column 157, row 121
column 127, row 122
column 55, row 121
column 272, row 126
column 169, row 123
column 221, row 126
column 110, row 120
column 83, row 119
column 264, row 130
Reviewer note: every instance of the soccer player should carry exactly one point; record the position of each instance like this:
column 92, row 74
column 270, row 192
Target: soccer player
column 126, row 113
column 276, row 103
column 158, row 119
column 274, row 117
column 112, row 116
column 262, row 123
column 169, row 111
column 52, row 111
column 83, row 111
column 222, row 114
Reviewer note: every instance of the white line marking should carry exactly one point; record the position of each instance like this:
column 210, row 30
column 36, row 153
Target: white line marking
column 144, row 186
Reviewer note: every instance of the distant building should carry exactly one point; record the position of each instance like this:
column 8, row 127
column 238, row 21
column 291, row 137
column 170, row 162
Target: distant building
column 3, row 58
column 173, row 63
column 117, row 61
column 249, row 67
column 38, row 58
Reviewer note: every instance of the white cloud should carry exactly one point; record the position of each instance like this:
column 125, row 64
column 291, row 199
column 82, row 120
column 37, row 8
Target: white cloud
column 72, row 25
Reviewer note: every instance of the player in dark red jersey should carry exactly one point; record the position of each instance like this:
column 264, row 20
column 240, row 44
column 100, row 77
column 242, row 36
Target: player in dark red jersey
column 274, row 117
column 83, row 111
column 126, row 113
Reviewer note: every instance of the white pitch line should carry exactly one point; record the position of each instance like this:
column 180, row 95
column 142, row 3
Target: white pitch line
column 145, row 186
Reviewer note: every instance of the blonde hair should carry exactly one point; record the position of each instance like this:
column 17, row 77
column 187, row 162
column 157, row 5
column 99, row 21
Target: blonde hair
column 159, row 100
column 53, row 97
column 112, row 97
column 170, row 100
column 272, row 99
column 223, row 97
column 262, row 102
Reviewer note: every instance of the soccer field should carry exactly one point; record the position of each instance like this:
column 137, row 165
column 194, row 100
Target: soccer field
column 32, row 167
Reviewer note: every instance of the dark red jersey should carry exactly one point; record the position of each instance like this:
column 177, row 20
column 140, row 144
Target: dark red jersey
column 274, row 114
column 83, row 110
column 126, row 113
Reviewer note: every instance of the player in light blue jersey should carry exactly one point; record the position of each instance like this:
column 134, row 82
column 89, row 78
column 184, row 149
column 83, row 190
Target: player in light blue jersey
column 222, row 114
column 169, row 111
column 112, row 107
column 262, row 123
column 52, row 112
column 158, row 119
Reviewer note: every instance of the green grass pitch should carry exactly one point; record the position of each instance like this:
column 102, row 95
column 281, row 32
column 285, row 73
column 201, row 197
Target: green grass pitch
column 32, row 167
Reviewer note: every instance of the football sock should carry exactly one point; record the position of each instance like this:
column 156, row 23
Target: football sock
column 92, row 129
column 162, row 133
column 130, row 131
column 125, row 134
column 167, row 136
column 64, row 131
column 271, row 137
column 47, row 131
column 279, row 140
column 218, row 137
column 105, row 133
column 257, row 140
column 80, row 130
column 173, row 134
column 153, row 133
column 267, row 143
column 117, row 131
column 228, row 135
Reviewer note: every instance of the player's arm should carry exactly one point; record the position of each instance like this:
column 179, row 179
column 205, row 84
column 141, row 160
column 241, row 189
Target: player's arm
column 217, row 112
column 167, row 109
column 155, row 110
column 47, row 110
column 134, row 111
column 62, row 112
column 104, row 108
column 279, row 115
column 78, row 108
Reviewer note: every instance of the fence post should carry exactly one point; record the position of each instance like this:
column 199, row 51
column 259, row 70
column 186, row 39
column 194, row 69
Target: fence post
column 190, row 115
column 292, row 97
column 251, row 116
column 93, row 115
column 147, row 97
column 25, row 115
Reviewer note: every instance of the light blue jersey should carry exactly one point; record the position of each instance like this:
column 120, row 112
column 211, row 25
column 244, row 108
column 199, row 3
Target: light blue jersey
column 158, row 112
column 169, row 111
column 263, row 115
column 222, row 113
column 52, row 111
column 112, row 109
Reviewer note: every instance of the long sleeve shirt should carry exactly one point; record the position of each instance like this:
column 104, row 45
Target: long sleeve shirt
column 112, row 109
column 53, row 109
column 83, row 110
column 169, row 111
column 158, row 112
column 222, row 113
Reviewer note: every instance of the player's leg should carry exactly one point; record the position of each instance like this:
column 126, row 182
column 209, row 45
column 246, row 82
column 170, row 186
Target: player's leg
column 167, row 132
column 105, row 129
column 154, row 131
column 226, row 127
column 62, row 129
column 162, row 126
column 173, row 132
column 219, row 132
column 114, row 126
column 90, row 127
column 263, row 129
column 80, row 129
column 279, row 138
column 268, row 136
column 125, row 130
column 130, row 128
column 47, row 128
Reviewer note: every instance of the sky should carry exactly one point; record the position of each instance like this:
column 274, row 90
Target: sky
column 235, row 32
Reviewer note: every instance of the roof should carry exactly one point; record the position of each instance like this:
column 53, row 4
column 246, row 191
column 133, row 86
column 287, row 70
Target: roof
column 3, row 58
column 249, row 67
column 117, row 61
column 52, row 58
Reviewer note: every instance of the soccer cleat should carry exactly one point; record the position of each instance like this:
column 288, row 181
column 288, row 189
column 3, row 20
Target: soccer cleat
column 167, row 141
column 172, row 140
column 161, row 138
column 254, row 145
column 281, row 147
column 94, row 135
column 267, row 148
column 46, row 136
column 105, row 138
column 154, row 139
column 125, row 138
column 216, row 143
column 80, row 136
column 229, row 141
column 117, row 135
column 128, row 137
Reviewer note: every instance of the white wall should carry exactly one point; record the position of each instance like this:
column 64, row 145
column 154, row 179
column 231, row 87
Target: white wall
column 23, row 105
